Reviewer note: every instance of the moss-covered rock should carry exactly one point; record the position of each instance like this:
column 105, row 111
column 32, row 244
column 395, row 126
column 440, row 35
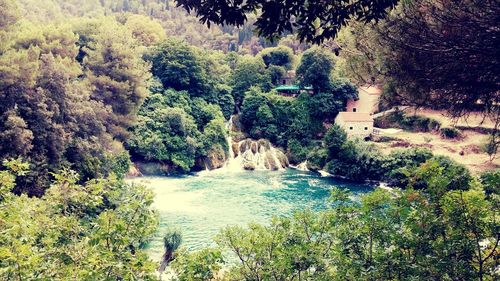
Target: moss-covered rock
column 245, row 145
column 236, row 148
column 249, row 166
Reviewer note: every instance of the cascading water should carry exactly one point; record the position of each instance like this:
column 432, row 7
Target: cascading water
column 252, row 154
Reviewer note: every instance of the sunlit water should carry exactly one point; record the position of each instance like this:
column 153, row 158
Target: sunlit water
column 201, row 205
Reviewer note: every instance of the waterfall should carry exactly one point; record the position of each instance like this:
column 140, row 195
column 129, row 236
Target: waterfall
column 252, row 154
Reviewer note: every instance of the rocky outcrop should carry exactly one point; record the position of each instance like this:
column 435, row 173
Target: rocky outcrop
column 133, row 172
column 154, row 168
column 215, row 158
column 249, row 166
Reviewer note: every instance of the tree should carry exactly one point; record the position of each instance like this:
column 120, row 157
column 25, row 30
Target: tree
column 145, row 30
column 203, row 265
column 422, row 55
column 313, row 21
column 334, row 139
column 249, row 72
column 117, row 73
column 178, row 66
column 92, row 231
column 171, row 242
column 315, row 69
column 47, row 106
column 278, row 56
column 166, row 134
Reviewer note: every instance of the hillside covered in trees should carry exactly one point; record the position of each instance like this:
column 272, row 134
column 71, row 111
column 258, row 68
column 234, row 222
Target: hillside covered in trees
column 92, row 91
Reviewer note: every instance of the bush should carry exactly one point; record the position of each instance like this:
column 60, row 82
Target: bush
column 404, row 158
column 316, row 159
column 449, row 133
column 490, row 181
column 357, row 160
column 376, row 138
column 397, row 119
column 296, row 152
column 491, row 147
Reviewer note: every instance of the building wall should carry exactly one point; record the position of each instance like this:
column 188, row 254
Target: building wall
column 356, row 128
column 367, row 102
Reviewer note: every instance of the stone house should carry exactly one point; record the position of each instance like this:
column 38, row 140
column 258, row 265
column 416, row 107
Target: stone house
column 357, row 124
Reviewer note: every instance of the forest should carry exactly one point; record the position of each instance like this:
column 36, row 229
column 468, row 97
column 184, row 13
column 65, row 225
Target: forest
column 94, row 92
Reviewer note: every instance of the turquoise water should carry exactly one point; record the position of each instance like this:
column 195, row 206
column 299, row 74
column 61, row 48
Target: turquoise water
column 200, row 205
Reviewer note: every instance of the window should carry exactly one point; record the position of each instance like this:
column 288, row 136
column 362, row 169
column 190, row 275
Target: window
column 350, row 128
column 366, row 128
column 353, row 109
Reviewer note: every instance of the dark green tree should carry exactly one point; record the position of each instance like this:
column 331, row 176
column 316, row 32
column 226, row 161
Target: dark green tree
column 313, row 21
column 249, row 72
column 315, row 69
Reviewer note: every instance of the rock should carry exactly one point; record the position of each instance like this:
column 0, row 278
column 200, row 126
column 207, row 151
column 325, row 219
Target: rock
column 236, row 149
column 270, row 162
column 282, row 158
column 216, row 157
column 133, row 172
column 254, row 147
column 249, row 166
column 245, row 145
column 155, row 168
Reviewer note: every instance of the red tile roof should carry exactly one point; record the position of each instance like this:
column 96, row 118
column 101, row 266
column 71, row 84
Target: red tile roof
column 355, row 117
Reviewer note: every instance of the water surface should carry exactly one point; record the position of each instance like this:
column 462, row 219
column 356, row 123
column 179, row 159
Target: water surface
column 201, row 205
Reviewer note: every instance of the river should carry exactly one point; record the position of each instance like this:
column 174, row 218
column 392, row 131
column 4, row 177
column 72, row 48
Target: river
column 200, row 205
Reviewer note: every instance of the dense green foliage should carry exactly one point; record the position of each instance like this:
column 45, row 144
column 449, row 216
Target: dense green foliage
column 358, row 160
column 94, row 231
column 52, row 112
column 298, row 122
column 88, row 86
column 174, row 128
column 249, row 72
column 414, row 123
column 315, row 69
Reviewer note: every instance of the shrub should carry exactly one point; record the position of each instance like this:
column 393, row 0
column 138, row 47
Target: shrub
column 402, row 158
column 490, row 181
column 316, row 159
column 449, row 133
column 491, row 147
column 376, row 138
column 296, row 151
column 397, row 119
